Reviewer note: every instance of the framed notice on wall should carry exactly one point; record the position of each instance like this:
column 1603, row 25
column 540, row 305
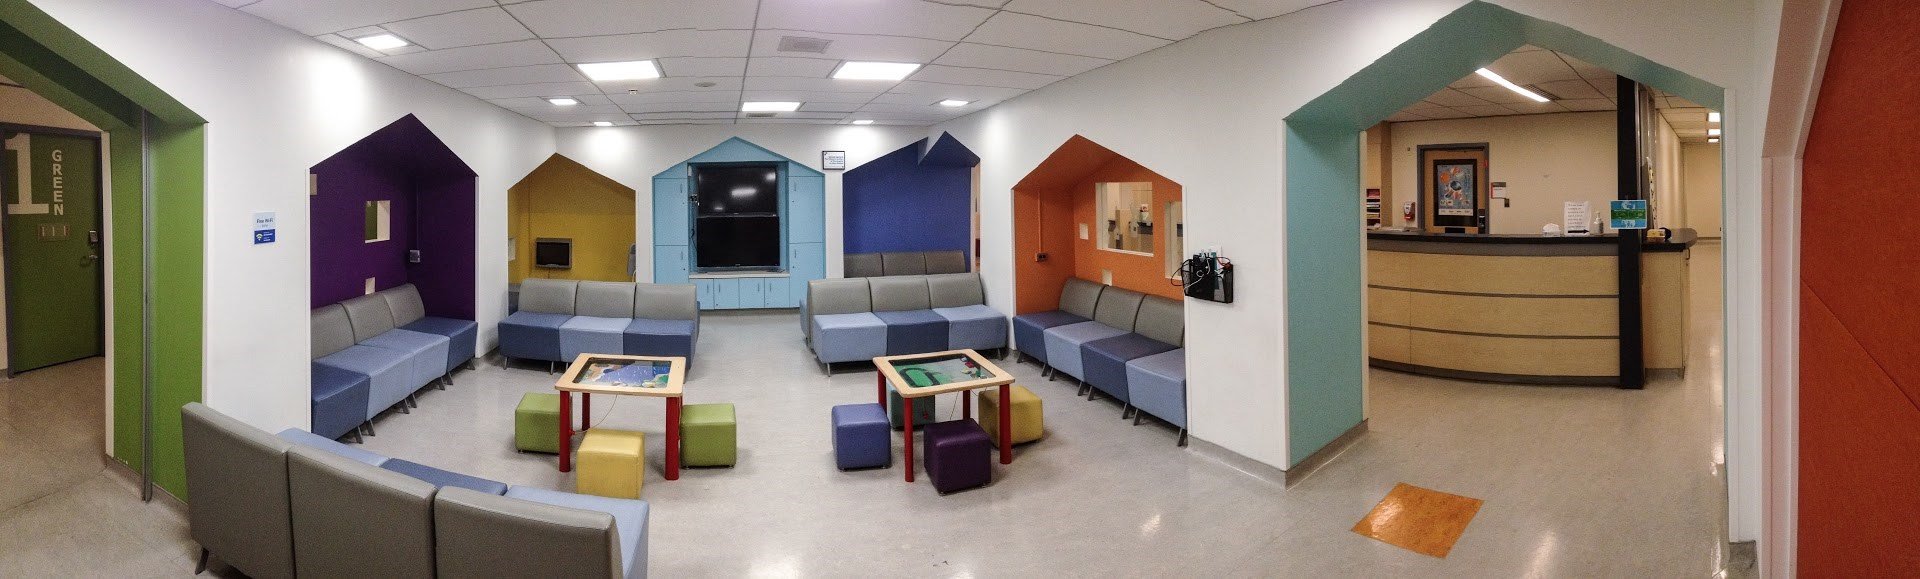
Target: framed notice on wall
column 1454, row 190
column 833, row 160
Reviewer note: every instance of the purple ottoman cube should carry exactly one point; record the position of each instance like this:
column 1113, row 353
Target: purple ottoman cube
column 958, row 455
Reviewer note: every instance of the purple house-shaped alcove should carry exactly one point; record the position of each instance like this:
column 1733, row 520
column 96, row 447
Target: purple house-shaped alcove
column 917, row 198
column 396, row 191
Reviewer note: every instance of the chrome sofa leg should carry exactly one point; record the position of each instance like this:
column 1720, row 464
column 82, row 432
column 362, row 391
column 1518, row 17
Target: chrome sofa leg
column 202, row 567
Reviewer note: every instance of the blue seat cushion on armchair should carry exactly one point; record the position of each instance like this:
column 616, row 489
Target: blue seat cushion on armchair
column 914, row 332
column 315, row 441
column 1157, row 384
column 443, row 478
column 592, row 335
column 854, row 337
column 975, row 327
column 1029, row 331
column 629, row 517
column 339, row 400
column 532, row 336
column 645, row 337
column 390, row 372
column 462, row 337
column 1063, row 345
column 426, row 352
column 1105, row 360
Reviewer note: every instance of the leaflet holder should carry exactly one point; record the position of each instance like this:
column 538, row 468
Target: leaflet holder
column 1208, row 276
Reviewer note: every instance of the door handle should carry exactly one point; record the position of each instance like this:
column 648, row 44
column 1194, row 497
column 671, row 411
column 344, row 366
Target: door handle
column 90, row 259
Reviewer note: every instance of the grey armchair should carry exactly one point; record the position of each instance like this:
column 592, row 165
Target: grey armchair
column 237, row 476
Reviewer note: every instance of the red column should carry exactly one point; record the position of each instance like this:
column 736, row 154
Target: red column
column 586, row 410
column 909, row 408
column 673, row 438
column 966, row 404
column 1006, row 424
column 566, row 431
column 880, row 389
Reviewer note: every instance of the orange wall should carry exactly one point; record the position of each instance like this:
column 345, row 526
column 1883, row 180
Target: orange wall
column 1039, row 283
column 1141, row 273
column 1051, row 202
column 1859, row 510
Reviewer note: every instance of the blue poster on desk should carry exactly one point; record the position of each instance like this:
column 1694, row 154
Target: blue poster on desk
column 1628, row 214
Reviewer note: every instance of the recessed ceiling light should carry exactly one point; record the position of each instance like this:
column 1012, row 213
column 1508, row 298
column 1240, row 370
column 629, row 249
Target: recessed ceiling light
column 1502, row 81
column 1713, row 132
column 863, row 122
column 563, row 101
column 857, row 70
column 769, row 107
column 628, row 70
column 1713, row 117
column 954, row 103
column 603, row 123
column 1713, row 139
column 382, row 41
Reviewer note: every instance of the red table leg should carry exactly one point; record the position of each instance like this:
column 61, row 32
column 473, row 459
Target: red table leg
column 966, row 404
column 880, row 390
column 673, row 438
column 566, row 431
column 909, row 408
column 586, row 410
column 1006, row 424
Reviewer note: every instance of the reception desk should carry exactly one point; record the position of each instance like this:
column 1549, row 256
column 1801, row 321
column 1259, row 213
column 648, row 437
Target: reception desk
column 1522, row 309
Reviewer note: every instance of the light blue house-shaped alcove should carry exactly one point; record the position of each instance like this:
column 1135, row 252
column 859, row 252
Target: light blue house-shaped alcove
column 803, row 219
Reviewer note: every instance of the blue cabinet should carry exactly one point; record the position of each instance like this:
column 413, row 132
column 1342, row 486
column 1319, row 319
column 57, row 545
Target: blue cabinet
column 806, row 209
column 777, row 295
column 804, row 224
column 670, row 211
column 753, row 292
column 670, row 264
column 807, row 261
column 726, row 294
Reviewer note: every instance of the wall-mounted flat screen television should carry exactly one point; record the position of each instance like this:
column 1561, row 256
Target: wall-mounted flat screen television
column 742, row 242
column 737, row 189
column 553, row 253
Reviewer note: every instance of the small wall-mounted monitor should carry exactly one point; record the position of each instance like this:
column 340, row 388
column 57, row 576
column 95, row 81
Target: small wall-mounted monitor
column 553, row 253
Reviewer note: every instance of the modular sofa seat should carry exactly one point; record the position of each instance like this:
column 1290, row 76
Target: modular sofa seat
column 903, row 304
column 1159, row 327
column 373, row 325
column 534, row 532
column 410, row 314
column 339, row 400
column 840, row 321
column 666, row 321
column 355, row 520
column 300, row 437
column 533, row 333
column 238, row 477
column 1112, row 316
column 601, row 312
column 905, row 263
column 1077, row 300
column 561, row 319
column 389, row 372
column 1157, row 385
column 971, row 323
column 857, row 319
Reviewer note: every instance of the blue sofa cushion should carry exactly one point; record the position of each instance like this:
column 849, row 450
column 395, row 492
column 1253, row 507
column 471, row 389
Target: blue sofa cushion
column 443, row 478
column 315, row 441
column 1157, row 384
column 855, row 337
column 1105, row 360
column 591, row 335
column 391, row 372
column 914, row 331
column 629, row 517
column 339, row 400
column 975, row 327
column 1029, row 331
column 532, row 336
column 1063, row 344
column 645, row 337
column 427, row 353
column 861, row 437
column 462, row 337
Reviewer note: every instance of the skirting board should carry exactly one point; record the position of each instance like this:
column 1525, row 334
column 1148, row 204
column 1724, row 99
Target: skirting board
column 1236, row 461
column 1326, row 454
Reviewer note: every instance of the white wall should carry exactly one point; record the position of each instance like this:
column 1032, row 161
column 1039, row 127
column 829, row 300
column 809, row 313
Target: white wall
column 1545, row 160
column 1207, row 113
column 277, row 103
column 633, row 155
column 1700, row 166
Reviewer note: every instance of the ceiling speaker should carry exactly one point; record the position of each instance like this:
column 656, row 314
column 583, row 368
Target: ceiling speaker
column 804, row 44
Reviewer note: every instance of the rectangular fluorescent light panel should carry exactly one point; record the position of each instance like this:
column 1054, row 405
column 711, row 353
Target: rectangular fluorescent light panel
column 1713, row 139
column 863, row 122
column 603, row 123
column 856, row 70
column 769, row 107
column 954, row 103
column 563, row 101
column 1713, row 117
column 384, row 41
column 1502, row 81
column 1713, row 132
column 629, row 70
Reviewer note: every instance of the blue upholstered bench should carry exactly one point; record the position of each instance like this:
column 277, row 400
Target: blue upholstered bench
column 1157, row 385
column 533, row 333
column 1113, row 316
column 666, row 321
column 1077, row 300
column 444, row 478
column 339, row 400
column 1159, row 327
column 561, row 319
column 311, row 440
column 858, row 319
column 410, row 313
column 389, row 372
column 961, row 301
column 861, row 438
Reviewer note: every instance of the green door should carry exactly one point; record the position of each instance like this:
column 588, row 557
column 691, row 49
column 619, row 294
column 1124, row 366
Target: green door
column 51, row 197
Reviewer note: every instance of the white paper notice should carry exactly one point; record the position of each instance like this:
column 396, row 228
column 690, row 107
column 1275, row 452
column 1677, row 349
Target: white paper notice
column 1575, row 215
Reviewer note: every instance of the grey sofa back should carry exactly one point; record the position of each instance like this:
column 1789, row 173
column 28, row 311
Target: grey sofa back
column 1080, row 297
column 1162, row 319
column 655, row 301
column 237, row 475
column 548, row 296
column 900, row 293
column 863, row 265
column 1118, row 307
column 405, row 303
column 352, row 519
column 370, row 316
column 602, row 299
column 904, row 263
column 332, row 332
column 483, row 535
column 939, row 262
column 839, row 296
column 953, row 290
column 907, row 263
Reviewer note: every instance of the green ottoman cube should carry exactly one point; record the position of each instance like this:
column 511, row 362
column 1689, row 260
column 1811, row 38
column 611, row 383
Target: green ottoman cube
column 536, row 423
column 708, row 435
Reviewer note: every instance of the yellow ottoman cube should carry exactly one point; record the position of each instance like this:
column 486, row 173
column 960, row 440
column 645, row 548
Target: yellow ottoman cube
column 1028, row 425
column 610, row 463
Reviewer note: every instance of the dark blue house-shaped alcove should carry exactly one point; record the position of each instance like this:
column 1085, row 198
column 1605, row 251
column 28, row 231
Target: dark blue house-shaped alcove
column 803, row 192
column 918, row 198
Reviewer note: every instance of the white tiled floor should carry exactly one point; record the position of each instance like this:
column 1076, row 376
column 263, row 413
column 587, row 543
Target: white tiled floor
column 1577, row 481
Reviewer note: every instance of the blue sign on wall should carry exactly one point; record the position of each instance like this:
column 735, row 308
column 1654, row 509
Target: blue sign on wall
column 1628, row 214
column 263, row 227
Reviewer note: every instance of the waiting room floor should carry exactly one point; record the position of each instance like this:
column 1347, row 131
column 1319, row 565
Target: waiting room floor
column 1576, row 481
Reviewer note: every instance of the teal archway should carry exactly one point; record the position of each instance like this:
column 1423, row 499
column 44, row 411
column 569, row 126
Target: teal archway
column 1325, row 356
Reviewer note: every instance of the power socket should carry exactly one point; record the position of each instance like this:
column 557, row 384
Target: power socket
column 1042, row 256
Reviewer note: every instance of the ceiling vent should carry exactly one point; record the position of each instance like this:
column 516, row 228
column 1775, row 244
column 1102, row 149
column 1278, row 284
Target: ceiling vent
column 761, row 115
column 804, row 44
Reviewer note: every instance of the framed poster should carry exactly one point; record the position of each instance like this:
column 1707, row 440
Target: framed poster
column 1627, row 214
column 1454, row 184
column 833, row 160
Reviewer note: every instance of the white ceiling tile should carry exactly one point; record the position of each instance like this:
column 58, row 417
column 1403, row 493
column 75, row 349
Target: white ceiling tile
column 823, row 107
column 927, row 109
column 1034, row 32
column 1263, row 9
column 543, row 109
column 539, row 73
column 794, row 115
column 349, row 45
column 464, row 28
column 1454, row 98
column 1169, row 19
column 808, row 96
column 983, row 77
column 1423, row 106
column 916, row 19
column 673, row 83
column 1402, row 117
column 1587, row 104
column 315, row 17
column 1495, row 94
column 665, row 97
column 235, row 3
column 1471, row 81
column 817, row 84
column 526, row 52
column 791, row 66
column 532, row 90
column 854, row 46
column 728, row 106
column 727, row 114
column 1533, row 67
column 1571, row 89
column 1444, row 114
column 939, row 91
column 688, row 122
column 1534, row 108
column 578, row 118
column 780, row 121
column 654, row 45
column 703, row 66
column 1485, row 110
column 518, row 103
column 1019, row 59
column 573, row 18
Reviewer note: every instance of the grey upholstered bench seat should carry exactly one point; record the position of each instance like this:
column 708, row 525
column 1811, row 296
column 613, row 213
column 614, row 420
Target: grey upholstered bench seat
column 561, row 319
column 857, row 319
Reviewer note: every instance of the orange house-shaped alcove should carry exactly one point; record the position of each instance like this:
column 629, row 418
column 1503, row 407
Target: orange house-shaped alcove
column 1056, row 202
